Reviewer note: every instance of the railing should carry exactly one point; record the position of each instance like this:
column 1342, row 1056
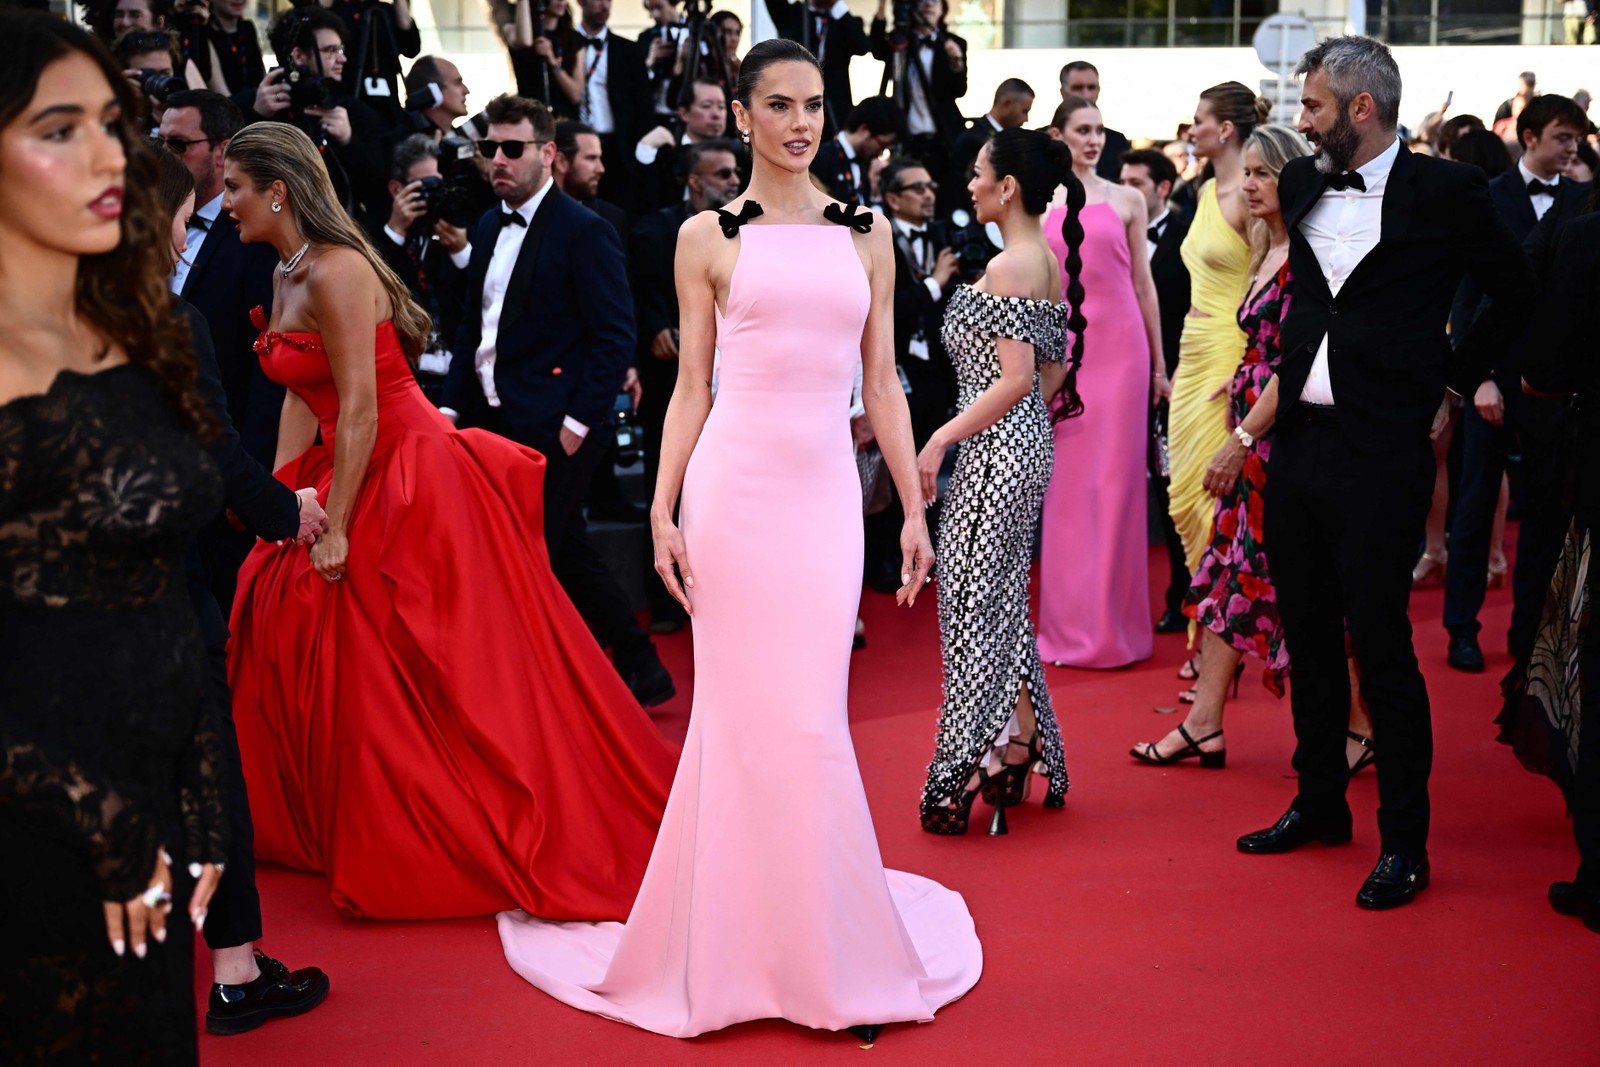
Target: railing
column 1177, row 31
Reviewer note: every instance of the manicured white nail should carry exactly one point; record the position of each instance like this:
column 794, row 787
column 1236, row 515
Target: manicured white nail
column 200, row 920
column 905, row 577
column 688, row 581
column 139, row 950
column 119, row 946
column 160, row 933
column 194, row 870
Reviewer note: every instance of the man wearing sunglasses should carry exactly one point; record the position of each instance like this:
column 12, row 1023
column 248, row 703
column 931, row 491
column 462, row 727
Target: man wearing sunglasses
column 546, row 337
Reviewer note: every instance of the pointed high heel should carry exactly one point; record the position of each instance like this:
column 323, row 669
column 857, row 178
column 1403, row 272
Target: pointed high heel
column 867, row 1034
column 1213, row 761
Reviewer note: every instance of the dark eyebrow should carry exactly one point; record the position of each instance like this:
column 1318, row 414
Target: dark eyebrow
column 68, row 109
column 787, row 100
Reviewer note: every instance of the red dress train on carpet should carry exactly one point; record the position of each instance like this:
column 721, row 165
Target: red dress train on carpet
column 438, row 732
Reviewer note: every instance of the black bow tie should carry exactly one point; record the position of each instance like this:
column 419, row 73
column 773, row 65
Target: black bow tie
column 512, row 218
column 597, row 43
column 1348, row 180
column 916, row 235
column 198, row 222
column 1536, row 187
column 1153, row 234
column 925, row 42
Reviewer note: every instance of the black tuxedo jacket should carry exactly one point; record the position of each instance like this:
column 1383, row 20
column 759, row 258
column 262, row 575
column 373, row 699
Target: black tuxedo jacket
column 565, row 338
column 612, row 214
column 1389, row 359
column 227, row 280
column 1172, row 285
column 1109, row 165
column 628, row 89
column 1560, row 358
column 843, row 39
column 965, row 150
column 945, row 86
column 263, row 504
column 443, row 277
column 651, row 261
column 832, row 168
column 914, row 306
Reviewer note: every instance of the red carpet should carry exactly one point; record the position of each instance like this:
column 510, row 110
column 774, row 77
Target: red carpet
column 1123, row 930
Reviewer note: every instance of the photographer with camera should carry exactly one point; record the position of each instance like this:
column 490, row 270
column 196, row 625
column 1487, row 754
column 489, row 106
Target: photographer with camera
column 663, row 54
column 305, row 90
column 424, row 241
column 378, row 34
column 659, row 155
column 149, row 59
column 835, row 37
column 926, row 67
column 843, row 163
column 542, row 44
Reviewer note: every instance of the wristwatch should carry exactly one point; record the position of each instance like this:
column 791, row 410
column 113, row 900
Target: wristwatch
column 1245, row 437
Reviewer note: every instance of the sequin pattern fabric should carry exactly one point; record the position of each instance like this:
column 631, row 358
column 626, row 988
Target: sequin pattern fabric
column 991, row 510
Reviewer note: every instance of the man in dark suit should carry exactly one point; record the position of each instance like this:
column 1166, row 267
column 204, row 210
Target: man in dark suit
column 579, row 167
column 1082, row 78
column 658, row 159
column 834, row 36
column 713, row 183
column 843, row 162
column 925, row 66
column 1378, row 241
column 1013, row 100
column 616, row 96
column 247, row 989
column 1560, row 361
column 546, row 338
column 1501, row 419
column 1153, row 175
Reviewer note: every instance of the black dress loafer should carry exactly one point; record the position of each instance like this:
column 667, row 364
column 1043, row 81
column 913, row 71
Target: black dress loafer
column 1393, row 882
column 278, row 993
column 1465, row 655
column 651, row 684
column 1570, row 898
column 1173, row 622
column 1296, row 829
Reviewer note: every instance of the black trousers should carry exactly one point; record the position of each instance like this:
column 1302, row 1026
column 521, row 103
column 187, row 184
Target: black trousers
column 234, row 915
column 1585, row 799
column 1344, row 525
column 1535, row 426
column 932, row 394
column 1178, row 577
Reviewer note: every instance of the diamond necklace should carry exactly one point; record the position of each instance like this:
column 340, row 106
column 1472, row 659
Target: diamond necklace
column 294, row 260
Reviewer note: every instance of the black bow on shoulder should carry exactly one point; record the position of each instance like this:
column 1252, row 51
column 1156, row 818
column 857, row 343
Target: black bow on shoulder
column 730, row 222
column 857, row 218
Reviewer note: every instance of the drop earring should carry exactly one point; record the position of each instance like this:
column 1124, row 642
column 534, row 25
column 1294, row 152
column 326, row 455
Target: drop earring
column 744, row 135
column 277, row 205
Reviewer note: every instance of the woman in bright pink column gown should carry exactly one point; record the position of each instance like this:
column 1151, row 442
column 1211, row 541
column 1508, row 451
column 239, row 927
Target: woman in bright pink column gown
column 1094, row 557
column 766, row 895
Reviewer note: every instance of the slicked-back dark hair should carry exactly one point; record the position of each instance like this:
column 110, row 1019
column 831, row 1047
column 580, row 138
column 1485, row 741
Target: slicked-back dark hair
column 1039, row 162
column 220, row 118
column 763, row 55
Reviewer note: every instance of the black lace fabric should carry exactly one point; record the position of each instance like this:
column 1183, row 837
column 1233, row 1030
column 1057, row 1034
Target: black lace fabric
column 107, row 749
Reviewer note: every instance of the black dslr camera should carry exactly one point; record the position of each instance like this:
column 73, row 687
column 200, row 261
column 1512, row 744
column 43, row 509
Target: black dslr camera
column 965, row 236
column 449, row 195
column 158, row 84
column 308, row 89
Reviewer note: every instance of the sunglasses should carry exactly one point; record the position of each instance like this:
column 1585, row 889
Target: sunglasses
column 512, row 149
column 917, row 187
column 180, row 145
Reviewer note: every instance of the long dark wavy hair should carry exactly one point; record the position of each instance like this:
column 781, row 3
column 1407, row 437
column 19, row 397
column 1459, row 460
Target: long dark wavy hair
column 123, row 292
column 1039, row 162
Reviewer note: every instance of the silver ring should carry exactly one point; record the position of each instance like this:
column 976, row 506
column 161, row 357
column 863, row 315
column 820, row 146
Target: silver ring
column 334, row 577
column 155, row 896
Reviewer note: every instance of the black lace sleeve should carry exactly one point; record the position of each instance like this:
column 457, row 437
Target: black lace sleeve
column 205, row 823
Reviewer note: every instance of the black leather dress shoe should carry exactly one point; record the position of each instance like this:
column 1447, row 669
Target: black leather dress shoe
column 1296, row 829
column 1393, row 882
column 1465, row 655
column 650, row 683
column 276, row 994
column 1172, row 622
column 1570, row 898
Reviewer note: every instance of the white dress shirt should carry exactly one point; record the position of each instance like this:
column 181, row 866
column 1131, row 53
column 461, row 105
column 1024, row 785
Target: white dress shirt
column 1342, row 227
column 850, row 157
column 496, row 280
column 595, row 108
column 1158, row 224
column 918, row 347
column 210, row 213
column 459, row 259
column 1541, row 201
column 919, row 116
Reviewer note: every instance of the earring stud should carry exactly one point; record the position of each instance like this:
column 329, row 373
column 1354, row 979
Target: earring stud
column 277, row 205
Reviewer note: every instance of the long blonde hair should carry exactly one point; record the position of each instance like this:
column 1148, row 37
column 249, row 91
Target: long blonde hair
column 1277, row 144
column 277, row 151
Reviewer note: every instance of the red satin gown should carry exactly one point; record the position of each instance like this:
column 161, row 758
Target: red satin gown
column 438, row 732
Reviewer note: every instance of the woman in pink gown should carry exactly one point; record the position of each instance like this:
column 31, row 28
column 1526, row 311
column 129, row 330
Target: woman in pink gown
column 766, row 896
column 1094, row 568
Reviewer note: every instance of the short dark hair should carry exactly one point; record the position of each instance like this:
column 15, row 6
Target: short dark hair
column 138, row 42
column 423, row 71
column 879, row 114
column 297, row 28
column 710, row 82
column 693, row 154
column 1012, row 87
column 508, row 109
column 1453, row 127
column 1484, row 150
column 889, row 177
column 220, row 117
column 719, row 17
column 408, row 153
column 567, row 134
column 1078, row 64
column 1156, row 162
column 1541, row 111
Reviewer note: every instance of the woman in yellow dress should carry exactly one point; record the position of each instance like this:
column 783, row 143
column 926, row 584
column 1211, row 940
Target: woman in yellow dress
column 1218, row 257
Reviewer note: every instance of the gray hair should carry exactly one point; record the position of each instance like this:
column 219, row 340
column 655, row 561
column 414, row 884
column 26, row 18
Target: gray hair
column 1356, row 65
column 409, row 152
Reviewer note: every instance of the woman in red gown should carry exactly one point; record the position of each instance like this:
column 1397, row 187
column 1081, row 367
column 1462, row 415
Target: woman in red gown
column 423, row 715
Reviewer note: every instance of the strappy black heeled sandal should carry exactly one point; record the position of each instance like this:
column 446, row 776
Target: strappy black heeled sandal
column 1215, row 761
column 1010, row 787
column 952, row 821
column 1368, row 753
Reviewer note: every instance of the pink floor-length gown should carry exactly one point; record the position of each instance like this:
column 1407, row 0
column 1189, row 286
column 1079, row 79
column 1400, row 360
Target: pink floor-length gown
column 1094, row 580
column 766, row 896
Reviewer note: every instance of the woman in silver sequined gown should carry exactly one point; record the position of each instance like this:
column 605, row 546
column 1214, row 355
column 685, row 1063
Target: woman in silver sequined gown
column 997, row 721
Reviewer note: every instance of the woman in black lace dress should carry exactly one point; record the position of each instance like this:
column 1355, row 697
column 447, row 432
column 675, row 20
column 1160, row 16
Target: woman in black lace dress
column 109, row 813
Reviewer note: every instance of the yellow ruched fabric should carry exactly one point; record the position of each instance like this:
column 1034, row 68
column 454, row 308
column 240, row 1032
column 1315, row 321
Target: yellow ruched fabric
column 1208, row 353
